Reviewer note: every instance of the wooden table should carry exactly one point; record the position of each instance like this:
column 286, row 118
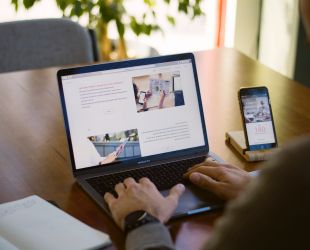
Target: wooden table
column 33, row 149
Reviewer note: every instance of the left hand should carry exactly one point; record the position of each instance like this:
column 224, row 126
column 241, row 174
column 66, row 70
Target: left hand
column 142, row 195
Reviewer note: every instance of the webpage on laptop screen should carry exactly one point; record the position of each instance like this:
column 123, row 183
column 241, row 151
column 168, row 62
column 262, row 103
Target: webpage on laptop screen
column 134, row 112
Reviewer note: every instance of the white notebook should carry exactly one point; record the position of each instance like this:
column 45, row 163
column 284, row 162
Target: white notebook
column 33, row 223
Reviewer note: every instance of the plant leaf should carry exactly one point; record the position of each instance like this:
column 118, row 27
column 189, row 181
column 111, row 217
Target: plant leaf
column 77, row 9
column 120, row 28
column 29, row 3
column 183, row 7
column 150, row 3
column 15, row 3
column 171, row 20
column 135, row 26
column 63, row 4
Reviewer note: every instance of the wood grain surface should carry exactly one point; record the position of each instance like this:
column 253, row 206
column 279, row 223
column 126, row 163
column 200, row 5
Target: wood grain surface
column 33, row 147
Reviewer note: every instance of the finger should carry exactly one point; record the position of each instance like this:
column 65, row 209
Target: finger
column 216, row 168
column 208, row 162
column 216, row 173
column 146, row 181
column 109, row 198
column 203, row 181
column 197, row 168
column 120, row 188
column 175, row 193
column 129, row 182
column 231, row 167
column 193, row 168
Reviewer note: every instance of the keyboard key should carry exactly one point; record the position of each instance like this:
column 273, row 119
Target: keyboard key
column 164, row 176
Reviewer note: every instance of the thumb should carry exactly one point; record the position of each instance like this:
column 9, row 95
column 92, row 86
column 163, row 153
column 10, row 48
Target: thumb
column 172, row 202
column 175, row 193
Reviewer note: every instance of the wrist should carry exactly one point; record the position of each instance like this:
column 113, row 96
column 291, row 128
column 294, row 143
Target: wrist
column 137, row 219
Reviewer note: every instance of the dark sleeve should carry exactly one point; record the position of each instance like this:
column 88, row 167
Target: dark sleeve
column 149, row 237
column 274, row 212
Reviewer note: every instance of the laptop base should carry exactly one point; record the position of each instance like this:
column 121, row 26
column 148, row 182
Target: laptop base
column 193, row 201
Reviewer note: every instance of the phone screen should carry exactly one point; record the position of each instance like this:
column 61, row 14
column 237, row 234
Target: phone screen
column 257, row 118
column 141, row 97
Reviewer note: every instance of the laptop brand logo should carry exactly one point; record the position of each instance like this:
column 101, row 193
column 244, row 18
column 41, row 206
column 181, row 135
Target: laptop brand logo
column 145, row 161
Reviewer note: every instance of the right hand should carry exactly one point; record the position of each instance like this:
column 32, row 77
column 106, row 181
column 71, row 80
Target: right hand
column 225, row 180
column 109, row 158
column 161, row 99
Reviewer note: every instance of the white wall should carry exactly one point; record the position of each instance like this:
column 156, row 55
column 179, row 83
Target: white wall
column 247, row 25
column 279, row 29
column 267, row 33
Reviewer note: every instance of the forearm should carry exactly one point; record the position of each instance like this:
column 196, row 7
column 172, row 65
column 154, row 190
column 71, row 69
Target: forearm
column 149, row 236
column 273, row 211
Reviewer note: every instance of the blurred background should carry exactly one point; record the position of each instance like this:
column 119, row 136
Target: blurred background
column 267, row 30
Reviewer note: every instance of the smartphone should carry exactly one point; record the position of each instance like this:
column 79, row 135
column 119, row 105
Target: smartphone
column 141, row 97
column 121, row 147
column 257, row 118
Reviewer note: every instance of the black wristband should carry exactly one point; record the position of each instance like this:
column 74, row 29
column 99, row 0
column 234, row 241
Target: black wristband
column 137, row 219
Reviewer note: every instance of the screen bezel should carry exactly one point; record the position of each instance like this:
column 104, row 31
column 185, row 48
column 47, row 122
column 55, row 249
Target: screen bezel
column 256, row 91
column 129, row 164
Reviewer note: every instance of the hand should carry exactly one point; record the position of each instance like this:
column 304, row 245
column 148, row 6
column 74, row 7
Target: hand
column 161, row 99
column 144, row 103
column 144, row 195
column 148, row 94
column 109, row 158
column 224, row 180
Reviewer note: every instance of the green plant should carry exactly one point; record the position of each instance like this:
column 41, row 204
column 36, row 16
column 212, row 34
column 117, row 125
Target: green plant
column 100, row 13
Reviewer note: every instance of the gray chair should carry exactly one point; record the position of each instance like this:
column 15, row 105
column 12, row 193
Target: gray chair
column 44, row 43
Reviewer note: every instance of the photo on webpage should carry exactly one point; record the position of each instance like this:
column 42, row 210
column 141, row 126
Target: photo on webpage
column 116, row 146
column 158, row 91
column 256, row 109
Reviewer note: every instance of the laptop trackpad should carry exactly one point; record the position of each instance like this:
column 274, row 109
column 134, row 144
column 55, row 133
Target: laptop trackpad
column 195, row 200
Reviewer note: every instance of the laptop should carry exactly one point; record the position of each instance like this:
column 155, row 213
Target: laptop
column 113, row 134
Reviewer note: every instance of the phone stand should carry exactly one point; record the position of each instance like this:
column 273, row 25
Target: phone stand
column 237, row 140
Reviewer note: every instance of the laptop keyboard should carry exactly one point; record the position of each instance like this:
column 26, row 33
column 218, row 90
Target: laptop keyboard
column 164, row 176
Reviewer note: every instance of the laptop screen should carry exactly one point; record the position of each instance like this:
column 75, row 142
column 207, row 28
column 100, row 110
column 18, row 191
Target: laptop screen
column 132, row 114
